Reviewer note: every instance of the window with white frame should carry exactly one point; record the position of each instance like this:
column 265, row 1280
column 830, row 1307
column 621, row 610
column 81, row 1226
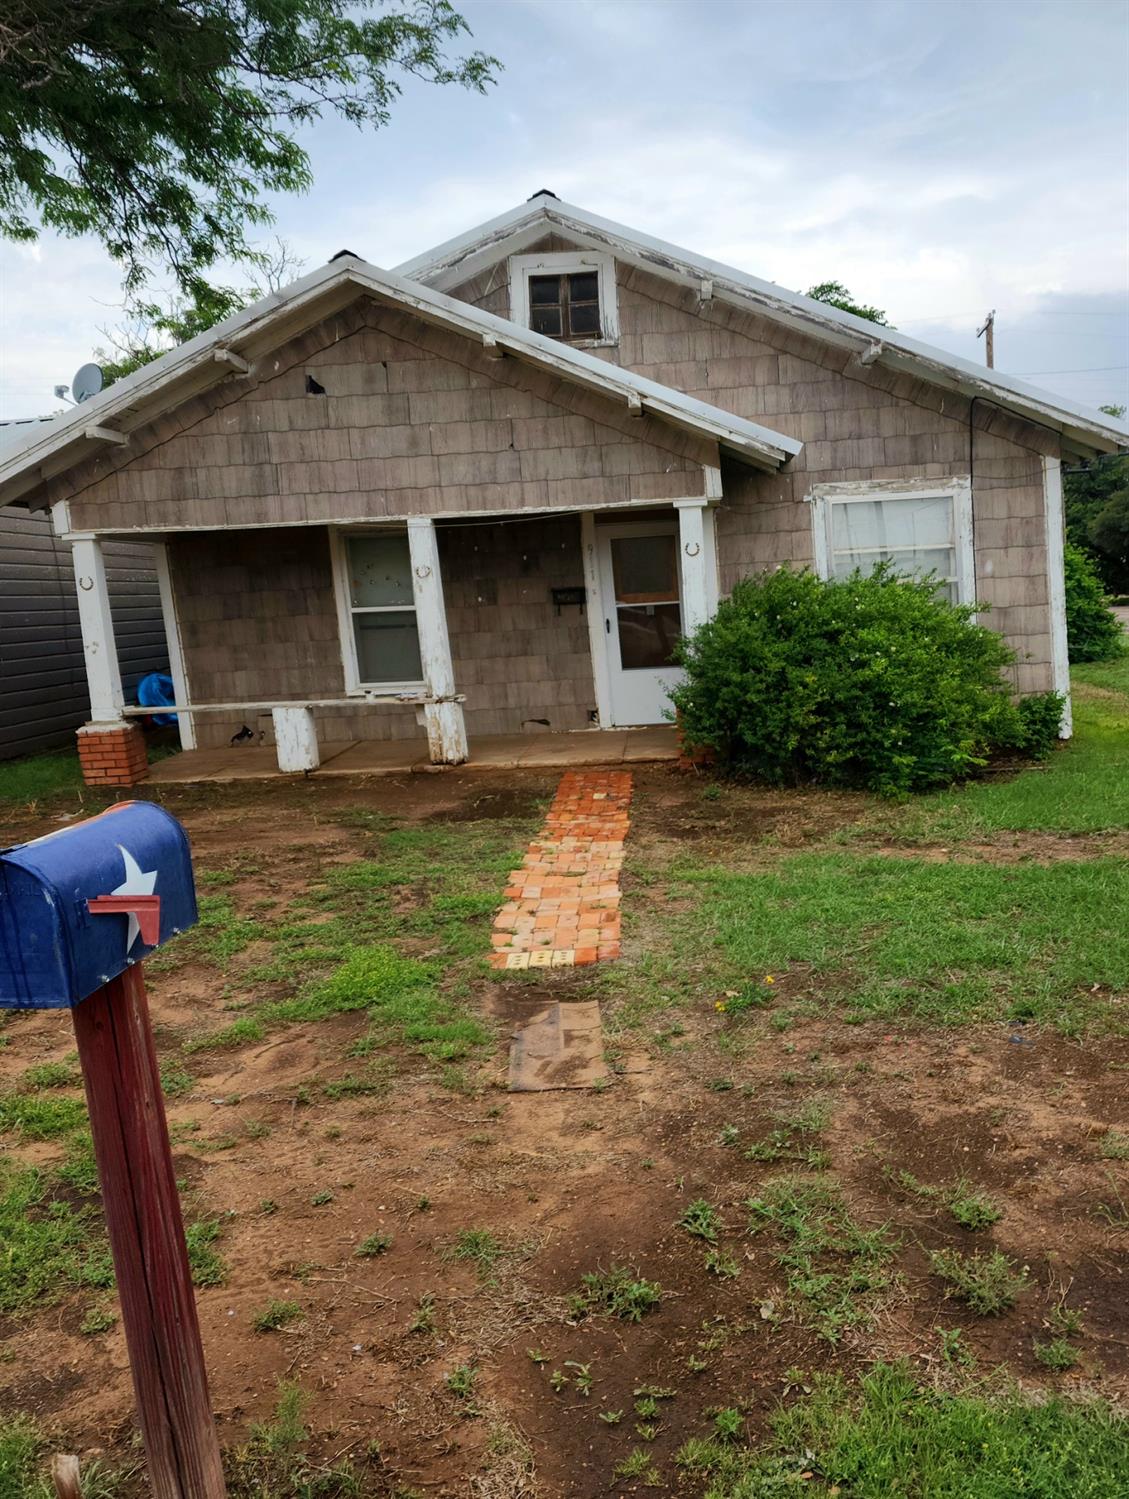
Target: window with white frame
column 917, row 531
column 569, row 296
column 376, row 604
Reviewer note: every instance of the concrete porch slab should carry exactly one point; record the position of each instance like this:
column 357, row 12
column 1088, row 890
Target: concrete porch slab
column 385, row 757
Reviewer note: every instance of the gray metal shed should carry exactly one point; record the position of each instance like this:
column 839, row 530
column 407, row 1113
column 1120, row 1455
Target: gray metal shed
column 43, row 692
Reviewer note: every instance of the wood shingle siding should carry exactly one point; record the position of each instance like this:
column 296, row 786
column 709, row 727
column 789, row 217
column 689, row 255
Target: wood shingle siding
column 258, row 622
column 43, row 694
column 449, row 430
column 856, row 422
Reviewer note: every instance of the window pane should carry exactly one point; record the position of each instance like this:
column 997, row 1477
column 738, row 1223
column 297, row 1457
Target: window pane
column 544, row 289
column 647, row 635
column 584, row 320
column 861, row 524
column 380, row 571
column 388, row 647
column 645, row 569
column 546, row 320
column 939, row 560
column 584, row 287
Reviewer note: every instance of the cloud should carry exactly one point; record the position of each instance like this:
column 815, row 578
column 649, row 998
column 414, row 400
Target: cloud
column 941, row 157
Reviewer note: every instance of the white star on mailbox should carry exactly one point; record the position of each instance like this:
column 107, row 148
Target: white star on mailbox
column 137, row 882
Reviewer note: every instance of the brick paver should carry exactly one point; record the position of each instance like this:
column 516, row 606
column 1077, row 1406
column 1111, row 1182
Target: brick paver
column 562, row 905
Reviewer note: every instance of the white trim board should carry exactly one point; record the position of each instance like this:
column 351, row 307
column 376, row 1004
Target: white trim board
column 597, row 642
column 96, row 622
column 362, row 522
column 958, row 489
column 521, row 267
column 464, row 256
column 1056, row 577
column 177, row 669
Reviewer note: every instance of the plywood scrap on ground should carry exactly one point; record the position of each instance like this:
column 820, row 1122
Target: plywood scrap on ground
column 559, row 1046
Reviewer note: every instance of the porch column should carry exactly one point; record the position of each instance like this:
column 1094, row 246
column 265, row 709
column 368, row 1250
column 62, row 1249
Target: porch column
column 1060, row 655
column 695, row 558
column 446, row 729
column 111, row 751
column 185, row 727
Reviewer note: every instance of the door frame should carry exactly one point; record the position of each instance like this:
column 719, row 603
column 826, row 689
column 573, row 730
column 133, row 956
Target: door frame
column 695, row 519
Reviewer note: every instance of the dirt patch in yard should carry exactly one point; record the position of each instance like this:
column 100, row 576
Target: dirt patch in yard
column 301, row 1169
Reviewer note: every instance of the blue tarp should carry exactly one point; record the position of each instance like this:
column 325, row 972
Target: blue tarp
column 156, row 691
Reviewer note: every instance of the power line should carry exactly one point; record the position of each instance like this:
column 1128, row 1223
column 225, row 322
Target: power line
column 1096, row 369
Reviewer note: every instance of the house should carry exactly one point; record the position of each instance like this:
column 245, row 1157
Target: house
column 486, row 492
column 43, row 692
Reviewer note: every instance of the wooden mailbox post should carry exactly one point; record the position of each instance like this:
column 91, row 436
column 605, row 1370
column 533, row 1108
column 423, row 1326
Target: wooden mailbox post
column 79, row 909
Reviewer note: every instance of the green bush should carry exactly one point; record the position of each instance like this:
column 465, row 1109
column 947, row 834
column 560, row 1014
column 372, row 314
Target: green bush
column 873, row 681
column 1093, row 633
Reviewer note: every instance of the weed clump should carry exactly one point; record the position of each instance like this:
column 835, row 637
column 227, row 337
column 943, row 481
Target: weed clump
column 374, row 1245
column 988, row 1281
column 619, row 1291
column 700, row 1221
column 275, row 1463
column 1058, row 1354
column 275, row 1315
column 835, row 1266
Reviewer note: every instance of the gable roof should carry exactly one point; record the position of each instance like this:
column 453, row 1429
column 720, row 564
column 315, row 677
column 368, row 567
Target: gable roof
column 233, row 346
column 1084, row 431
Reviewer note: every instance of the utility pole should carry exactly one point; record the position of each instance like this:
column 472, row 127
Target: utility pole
column 989, row 328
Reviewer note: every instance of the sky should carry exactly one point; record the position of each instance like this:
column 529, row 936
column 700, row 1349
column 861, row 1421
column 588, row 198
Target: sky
column 941, row 158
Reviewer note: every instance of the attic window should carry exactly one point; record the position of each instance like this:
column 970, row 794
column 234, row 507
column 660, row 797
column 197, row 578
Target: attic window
column 570, row 296
column 565, row 306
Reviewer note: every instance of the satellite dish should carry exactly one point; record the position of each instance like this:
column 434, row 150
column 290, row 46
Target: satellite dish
column 87, row 383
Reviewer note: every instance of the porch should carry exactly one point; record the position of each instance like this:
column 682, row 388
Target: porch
column 391, row 757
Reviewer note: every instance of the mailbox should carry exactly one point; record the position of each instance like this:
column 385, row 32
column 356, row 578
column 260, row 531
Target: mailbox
column 80, row 906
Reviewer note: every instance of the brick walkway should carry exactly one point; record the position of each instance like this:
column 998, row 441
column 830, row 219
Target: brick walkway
column 562, row 905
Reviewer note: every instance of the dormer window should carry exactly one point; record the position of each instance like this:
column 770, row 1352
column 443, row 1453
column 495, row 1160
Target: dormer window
column 565, row 306
column 567, row 296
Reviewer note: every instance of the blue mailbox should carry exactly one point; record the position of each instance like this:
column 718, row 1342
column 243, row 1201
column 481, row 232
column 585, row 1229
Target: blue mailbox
column 80, row 906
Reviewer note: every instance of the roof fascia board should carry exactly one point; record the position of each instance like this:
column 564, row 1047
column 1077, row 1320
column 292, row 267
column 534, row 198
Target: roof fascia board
column 191, row 368
column 446, row 262
column 444, row 266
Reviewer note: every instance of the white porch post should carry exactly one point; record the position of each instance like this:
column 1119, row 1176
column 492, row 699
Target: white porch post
column 184, row 724
column 97, row 625
column 446, row 729
column 695, row 557
column 1056, row 578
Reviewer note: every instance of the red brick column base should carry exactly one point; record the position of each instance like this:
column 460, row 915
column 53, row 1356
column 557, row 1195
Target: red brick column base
column 112, row 755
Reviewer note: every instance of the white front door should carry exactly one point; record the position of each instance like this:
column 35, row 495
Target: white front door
column 642, row 611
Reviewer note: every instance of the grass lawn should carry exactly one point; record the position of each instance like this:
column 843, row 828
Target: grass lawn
column 37, row 778
column 827, row 1229
column 1084, row 788
column 942, row 932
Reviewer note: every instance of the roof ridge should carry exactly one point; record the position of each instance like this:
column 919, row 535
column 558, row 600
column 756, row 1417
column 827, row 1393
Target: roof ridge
column 461, row 256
